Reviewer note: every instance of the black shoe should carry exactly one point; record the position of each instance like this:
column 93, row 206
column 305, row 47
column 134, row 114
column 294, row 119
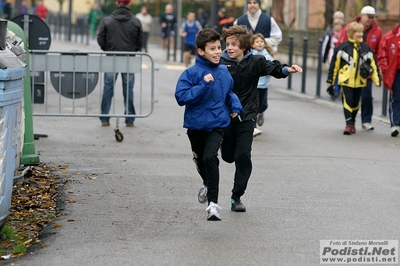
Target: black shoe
column 237, row 206
column 260, row 119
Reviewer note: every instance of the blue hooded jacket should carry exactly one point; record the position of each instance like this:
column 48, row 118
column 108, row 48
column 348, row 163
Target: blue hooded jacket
column 208, row 105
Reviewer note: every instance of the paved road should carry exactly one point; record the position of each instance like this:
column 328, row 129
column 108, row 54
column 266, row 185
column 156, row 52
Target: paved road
column 309, row 183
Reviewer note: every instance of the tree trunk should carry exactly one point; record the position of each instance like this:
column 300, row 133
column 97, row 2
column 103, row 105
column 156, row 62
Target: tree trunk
column 277, row 13
column 329, row 10
column 61, row 5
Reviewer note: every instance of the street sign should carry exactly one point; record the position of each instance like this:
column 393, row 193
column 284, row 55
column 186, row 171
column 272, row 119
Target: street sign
column 36, row 31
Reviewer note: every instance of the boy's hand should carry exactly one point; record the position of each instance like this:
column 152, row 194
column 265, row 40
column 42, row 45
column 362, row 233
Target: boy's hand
column 295, row 69
column 183, row 34
column 208, row 78
column 233, row 115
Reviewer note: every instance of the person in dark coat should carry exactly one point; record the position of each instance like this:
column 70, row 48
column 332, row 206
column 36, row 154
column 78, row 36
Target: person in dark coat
column 245, row 69
column 121, row 31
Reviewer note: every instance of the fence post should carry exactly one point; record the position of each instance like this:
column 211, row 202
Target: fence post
column 305, row 51
column 384, row 101
column 290, row 61
column 319, row 69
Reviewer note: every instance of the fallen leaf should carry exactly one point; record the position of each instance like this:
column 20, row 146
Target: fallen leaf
column 70, row 220
column 57, row 225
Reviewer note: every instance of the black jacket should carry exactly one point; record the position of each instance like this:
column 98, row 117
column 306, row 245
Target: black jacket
column 121, row 31
column 245, row 75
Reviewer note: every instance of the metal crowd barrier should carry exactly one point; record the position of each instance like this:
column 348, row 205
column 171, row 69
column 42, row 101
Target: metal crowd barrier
column 71, row 83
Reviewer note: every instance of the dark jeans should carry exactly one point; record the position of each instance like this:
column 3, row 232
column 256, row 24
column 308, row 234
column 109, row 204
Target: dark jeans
column 351, row 102
column 127, row 91
column 262, row 100
column 367, row 107
column 205, row 146
column 236, row 147
column 394, row 103
column 145, row 37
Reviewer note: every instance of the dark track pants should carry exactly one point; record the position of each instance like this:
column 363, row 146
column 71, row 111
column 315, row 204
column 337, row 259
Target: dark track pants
column 236, row 147
column 367, row 106
column 394, row 103
column 205, row 146
column 351, row 102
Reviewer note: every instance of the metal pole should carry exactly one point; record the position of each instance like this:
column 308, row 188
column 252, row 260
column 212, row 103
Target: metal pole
column 290, row 60
column 69, row 20
column 319, row 69
column 178, row 40
column 214, row 11
column 384, row 101
column 26, row 26
column 305, row 50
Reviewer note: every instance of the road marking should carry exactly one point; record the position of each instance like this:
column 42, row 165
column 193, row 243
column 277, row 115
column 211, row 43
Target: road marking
column 175, row 67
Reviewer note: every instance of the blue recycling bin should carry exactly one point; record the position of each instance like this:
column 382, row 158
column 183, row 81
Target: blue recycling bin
column 12, row 72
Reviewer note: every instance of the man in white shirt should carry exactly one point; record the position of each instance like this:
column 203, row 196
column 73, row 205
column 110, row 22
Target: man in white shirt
column 260, row 22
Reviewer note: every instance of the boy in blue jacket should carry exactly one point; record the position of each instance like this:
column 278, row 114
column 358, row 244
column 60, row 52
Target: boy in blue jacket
column 245, row 69
column 206, row 91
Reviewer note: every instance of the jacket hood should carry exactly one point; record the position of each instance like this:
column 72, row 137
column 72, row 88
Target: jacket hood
column 225, row 55
column 122, row 14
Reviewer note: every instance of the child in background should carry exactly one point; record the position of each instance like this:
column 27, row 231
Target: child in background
column 188, row 31
column 206, row 91
column 245, row 69
column 345, row 66
column 328, row 47
column 261, row 47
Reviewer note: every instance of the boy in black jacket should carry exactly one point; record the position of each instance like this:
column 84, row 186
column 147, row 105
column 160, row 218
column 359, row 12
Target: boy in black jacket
column 245, row 69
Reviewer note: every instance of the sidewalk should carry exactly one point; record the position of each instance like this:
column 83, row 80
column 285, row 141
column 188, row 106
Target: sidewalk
column 160, row 57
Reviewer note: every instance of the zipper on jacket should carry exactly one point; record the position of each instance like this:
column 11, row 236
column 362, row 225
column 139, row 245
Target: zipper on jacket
column 358, row 64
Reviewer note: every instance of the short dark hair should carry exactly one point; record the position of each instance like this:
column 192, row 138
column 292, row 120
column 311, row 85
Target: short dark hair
column 206, row 35
column 241, row 32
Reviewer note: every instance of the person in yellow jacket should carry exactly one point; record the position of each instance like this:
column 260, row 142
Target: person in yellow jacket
column 352, row 63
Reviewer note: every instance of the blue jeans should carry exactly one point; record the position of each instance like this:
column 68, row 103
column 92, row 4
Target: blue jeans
column 108, row 94
column 367, row 107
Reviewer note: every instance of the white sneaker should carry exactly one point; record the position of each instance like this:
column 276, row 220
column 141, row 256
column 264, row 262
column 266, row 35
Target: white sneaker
column 202, row 196
column 395, row 131
column 256, row 132
column 367, row 126
column 212, row 212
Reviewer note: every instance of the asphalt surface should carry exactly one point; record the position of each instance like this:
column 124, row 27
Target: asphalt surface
column 309, row 183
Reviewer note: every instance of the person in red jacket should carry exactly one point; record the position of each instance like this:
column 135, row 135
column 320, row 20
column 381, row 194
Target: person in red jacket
column 372, row 36
column 41, row 10
column 389, row 62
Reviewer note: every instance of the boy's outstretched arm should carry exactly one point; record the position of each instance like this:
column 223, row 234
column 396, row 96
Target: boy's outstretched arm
column 295, row 69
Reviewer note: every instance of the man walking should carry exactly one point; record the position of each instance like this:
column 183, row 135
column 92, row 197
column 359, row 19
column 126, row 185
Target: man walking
column 372, row 36
column 259, row 22
column 121, row 31
column 389, row 62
